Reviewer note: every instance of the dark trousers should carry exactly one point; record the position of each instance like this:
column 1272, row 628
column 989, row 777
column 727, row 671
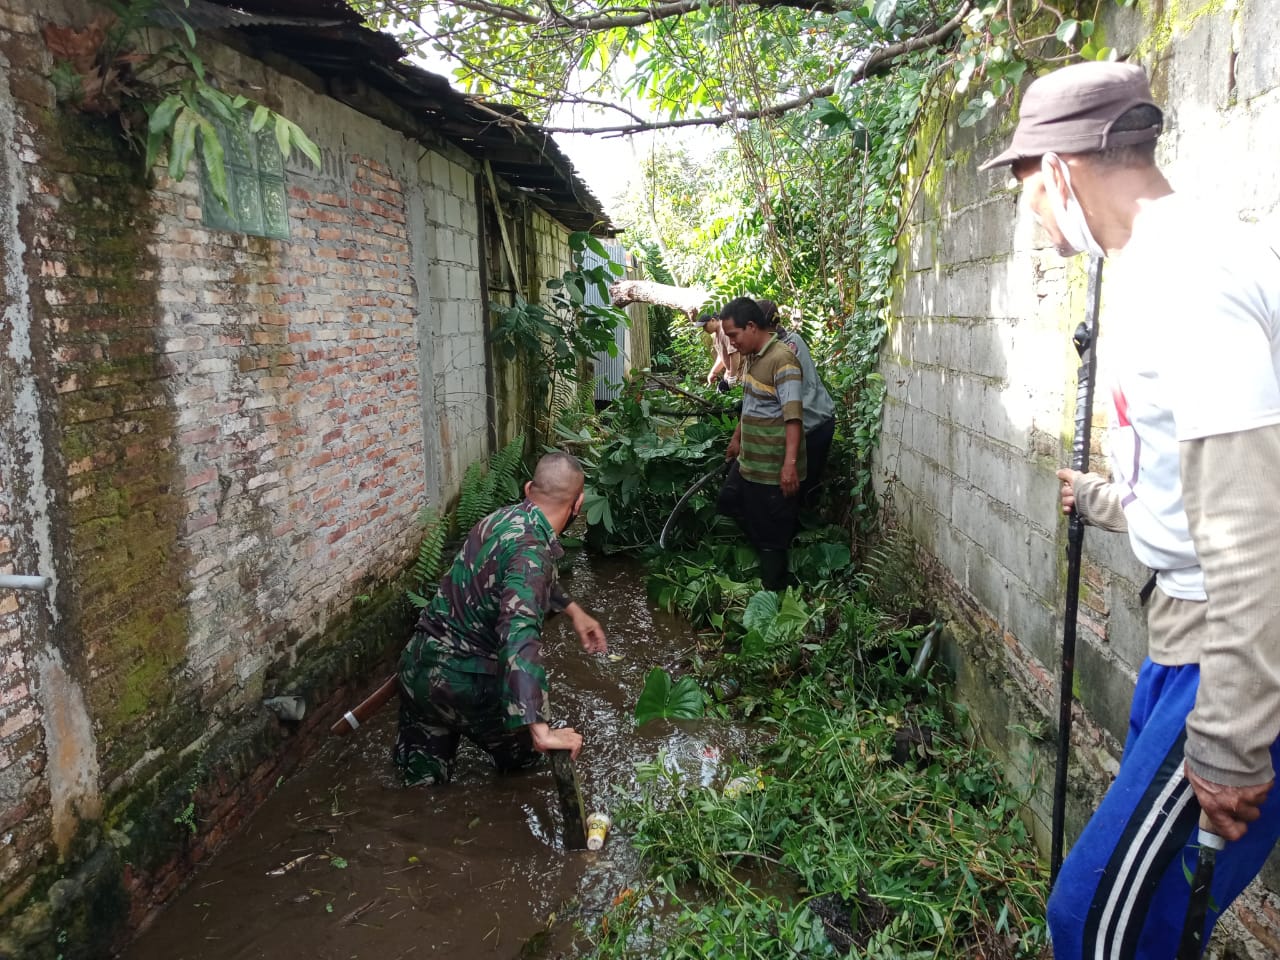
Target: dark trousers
column 440, row 708
column 817, row 445
column 768, row 518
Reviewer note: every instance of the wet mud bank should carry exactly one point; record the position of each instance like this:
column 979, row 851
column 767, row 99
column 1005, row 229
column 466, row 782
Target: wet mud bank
column 343, row 862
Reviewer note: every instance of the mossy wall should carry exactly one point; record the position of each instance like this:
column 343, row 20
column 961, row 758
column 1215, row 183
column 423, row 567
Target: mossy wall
column 120, row 496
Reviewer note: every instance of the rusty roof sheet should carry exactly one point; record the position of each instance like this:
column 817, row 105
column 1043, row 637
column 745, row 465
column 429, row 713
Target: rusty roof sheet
column 329, row 39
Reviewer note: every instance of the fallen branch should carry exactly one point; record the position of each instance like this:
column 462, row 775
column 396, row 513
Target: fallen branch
column 685, row 299
column 668, row 385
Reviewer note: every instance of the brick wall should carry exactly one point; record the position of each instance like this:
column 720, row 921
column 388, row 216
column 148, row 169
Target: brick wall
column 25, row 831
column 981, row 382
column 218, row 444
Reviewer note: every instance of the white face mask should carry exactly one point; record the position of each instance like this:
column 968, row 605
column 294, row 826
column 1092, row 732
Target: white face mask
column 1070, row 218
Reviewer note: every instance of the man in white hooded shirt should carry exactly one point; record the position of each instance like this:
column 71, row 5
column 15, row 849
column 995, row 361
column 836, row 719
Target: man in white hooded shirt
column 1193, row 338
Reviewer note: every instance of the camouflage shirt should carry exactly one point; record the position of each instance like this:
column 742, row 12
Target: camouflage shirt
column 486, row 617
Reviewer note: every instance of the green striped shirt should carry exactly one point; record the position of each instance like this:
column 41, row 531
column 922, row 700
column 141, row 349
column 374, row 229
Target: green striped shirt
column 772, row 390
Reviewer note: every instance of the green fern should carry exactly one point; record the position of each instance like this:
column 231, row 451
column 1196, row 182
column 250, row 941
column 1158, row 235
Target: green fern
column 505, row 469
column 587, row 396
column 430, row 562
column 473, row 500
column 484, row 489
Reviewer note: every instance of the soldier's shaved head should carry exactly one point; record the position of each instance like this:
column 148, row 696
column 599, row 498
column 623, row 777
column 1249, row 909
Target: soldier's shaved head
column 558, row 479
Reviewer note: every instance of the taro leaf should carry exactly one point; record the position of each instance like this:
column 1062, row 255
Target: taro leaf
column 832, row 557
column 753, row 644
column 761, row 610
column 661, row 698
column 791, row 619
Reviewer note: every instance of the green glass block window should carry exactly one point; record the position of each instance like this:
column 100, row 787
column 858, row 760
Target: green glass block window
column 255, row 184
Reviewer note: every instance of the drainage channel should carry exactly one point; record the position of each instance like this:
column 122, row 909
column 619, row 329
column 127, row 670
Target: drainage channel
column 342, row 862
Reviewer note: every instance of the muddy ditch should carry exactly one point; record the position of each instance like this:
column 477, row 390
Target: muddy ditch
column 343, row 862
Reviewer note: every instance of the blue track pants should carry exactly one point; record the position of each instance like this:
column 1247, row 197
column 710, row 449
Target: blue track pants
column 1122, row 893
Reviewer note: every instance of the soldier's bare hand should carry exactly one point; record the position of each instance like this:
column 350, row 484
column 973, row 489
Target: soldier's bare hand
column 1068, row 490
column 546, row 739
column 1228, row 810
column 590, row 633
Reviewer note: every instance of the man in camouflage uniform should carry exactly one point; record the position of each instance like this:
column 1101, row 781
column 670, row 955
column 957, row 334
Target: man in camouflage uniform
column 474, row 665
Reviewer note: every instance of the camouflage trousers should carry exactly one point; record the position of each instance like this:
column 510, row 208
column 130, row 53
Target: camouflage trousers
column 439, row 706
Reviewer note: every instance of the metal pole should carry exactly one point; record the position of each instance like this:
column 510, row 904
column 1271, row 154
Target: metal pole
column 12, row 581
column 1192, row 943
column 1086, row 336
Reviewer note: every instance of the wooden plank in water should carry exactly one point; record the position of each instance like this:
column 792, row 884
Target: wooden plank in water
column 575, row 828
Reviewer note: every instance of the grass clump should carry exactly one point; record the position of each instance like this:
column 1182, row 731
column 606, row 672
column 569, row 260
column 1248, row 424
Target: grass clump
column 870, row 827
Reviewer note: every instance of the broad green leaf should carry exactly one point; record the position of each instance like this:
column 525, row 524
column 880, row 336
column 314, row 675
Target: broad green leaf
column 214, row 161
column 883, row 11
column 218, row 101
column 283, row 138
column 1067, row 30
column 197, row 64
column 261, row 115
column 753, row 644
column 761, row 610
column 155, row 142
column 163, row 115
column 305, row 144
column 660, row 698
column 186, row 28
column 791, row 619
column 183, row 144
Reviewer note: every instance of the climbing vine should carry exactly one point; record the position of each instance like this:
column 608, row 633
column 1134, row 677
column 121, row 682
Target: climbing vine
column 555, row 339
column 139, row 61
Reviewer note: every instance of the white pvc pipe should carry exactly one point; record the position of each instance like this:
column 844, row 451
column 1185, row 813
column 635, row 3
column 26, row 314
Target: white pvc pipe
column 12, row 581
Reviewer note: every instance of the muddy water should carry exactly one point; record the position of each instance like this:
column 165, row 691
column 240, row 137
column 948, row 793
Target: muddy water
column 474, row 869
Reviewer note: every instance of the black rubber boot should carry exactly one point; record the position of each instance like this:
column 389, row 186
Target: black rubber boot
column 773, row 569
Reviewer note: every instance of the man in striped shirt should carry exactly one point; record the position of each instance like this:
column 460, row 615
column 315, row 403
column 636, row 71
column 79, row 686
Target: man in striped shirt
column 761, row 492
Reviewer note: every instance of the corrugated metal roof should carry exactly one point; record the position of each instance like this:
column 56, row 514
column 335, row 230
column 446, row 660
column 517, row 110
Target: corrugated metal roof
column 329, row 39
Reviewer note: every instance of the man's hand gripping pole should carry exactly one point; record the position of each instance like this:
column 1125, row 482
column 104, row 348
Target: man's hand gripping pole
column 1084, row 340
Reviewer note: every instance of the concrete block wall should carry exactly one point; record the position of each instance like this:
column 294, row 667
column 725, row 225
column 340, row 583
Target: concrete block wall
column 458, row 313
column 981, row 395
